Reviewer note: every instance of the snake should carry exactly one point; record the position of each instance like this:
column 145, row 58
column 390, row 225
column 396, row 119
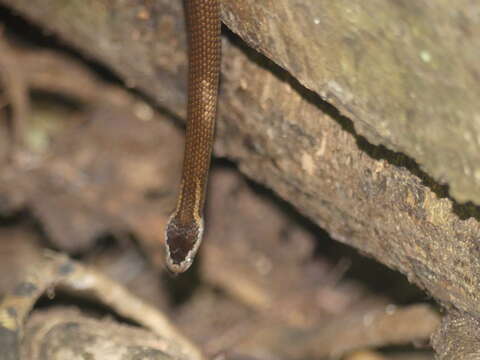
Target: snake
column 185, row 227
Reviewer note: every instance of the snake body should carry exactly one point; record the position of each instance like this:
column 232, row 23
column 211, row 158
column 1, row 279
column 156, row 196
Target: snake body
column 184, row 230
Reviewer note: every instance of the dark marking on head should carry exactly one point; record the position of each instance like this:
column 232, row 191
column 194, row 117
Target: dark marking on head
column 181, row 239
column 182, row 243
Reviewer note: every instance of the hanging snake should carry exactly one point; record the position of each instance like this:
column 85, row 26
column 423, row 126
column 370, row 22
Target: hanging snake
column 184, row 229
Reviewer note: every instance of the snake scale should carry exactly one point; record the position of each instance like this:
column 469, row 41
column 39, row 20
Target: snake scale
column 184, row 229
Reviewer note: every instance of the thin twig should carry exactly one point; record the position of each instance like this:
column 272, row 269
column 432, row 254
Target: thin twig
column 58, row 270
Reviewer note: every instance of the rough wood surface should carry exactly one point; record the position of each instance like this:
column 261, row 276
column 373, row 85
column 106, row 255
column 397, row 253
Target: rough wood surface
column 457, row 337
column 401, row 76
column 406, row 72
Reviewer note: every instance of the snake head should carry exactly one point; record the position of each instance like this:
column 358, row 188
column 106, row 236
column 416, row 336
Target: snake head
column 182, row 241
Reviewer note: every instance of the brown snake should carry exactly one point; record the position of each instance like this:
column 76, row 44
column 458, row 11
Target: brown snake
column 184, row 230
